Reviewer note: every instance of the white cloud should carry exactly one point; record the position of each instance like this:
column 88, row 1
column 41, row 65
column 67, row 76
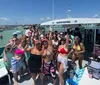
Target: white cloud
column 41, row 18
column 4, row 18
column 96, row 15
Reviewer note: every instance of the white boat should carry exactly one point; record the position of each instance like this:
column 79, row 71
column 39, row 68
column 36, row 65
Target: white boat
column 73, row 21
column 87, row 23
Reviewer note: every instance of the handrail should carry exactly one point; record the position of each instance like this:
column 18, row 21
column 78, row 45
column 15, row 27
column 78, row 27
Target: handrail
column 97, row 45
column 1, row 55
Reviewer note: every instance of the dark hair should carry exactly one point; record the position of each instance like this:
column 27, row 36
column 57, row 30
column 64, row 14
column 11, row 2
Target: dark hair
column 78, row 39
column 55, row 36
column 71, row 32
column 77, row 29
column 56, row 32
column 62, row 39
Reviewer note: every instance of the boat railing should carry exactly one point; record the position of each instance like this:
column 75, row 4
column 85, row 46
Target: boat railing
column 1, row 55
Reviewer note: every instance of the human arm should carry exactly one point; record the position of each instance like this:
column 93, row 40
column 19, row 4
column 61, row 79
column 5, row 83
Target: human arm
column 67, row 41
column 5, row 56
column 72, row 51
column 26, row 48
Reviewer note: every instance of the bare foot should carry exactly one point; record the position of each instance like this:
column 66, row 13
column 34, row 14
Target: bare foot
column 33, row 84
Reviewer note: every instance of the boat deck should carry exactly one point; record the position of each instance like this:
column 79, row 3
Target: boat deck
column 27, row 80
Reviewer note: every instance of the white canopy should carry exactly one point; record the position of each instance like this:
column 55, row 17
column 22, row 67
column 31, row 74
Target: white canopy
column 69, row 21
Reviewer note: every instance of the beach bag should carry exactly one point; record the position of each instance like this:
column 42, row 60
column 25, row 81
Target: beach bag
column 94, row 69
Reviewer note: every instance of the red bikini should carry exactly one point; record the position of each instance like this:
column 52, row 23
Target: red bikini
column 63, row 51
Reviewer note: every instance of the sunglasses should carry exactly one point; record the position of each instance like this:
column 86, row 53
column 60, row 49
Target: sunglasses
column 45, row 43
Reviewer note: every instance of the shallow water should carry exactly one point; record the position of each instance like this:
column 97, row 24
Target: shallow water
column 7, row 35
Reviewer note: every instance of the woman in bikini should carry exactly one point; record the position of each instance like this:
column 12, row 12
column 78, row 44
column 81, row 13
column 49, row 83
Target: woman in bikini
column 62, row 58
column 78, row 49
column 48, row 67
column 55, row 43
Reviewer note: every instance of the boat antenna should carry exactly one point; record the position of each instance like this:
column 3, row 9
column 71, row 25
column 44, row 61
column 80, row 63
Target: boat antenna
column 68, row 11
column 15, row 22
column 53, row 9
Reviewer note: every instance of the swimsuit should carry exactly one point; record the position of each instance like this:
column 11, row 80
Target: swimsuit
column 34, row 63
column 48, row 67
column 61, row 59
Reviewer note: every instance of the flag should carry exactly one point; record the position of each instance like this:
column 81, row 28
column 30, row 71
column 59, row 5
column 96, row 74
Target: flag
column 69, row 8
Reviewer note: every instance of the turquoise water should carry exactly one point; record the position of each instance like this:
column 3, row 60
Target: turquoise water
column 7, row 35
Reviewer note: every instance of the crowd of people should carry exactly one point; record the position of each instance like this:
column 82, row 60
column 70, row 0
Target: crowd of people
column 44, row 55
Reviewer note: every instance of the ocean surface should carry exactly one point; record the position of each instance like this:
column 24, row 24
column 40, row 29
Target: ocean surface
column 7, row 35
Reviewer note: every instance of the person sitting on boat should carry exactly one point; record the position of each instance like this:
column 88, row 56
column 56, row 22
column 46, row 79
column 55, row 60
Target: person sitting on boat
column 48, row 66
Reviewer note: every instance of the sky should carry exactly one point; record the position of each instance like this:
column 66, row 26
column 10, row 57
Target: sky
column 38, row 11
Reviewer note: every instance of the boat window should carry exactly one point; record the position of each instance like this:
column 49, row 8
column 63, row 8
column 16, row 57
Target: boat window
column 63, row 22
column 75, row 20
column 52, row 22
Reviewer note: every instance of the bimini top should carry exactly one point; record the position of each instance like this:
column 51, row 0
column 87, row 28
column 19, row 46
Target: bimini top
column 69, row 21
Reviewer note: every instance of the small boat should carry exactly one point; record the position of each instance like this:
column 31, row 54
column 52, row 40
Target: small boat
column 1, row 30
column 25, row 28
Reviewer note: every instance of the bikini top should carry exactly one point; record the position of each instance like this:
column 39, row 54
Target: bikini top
column 63, row 51
column 78, row 48
column 48, row 52
column 54, row 42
